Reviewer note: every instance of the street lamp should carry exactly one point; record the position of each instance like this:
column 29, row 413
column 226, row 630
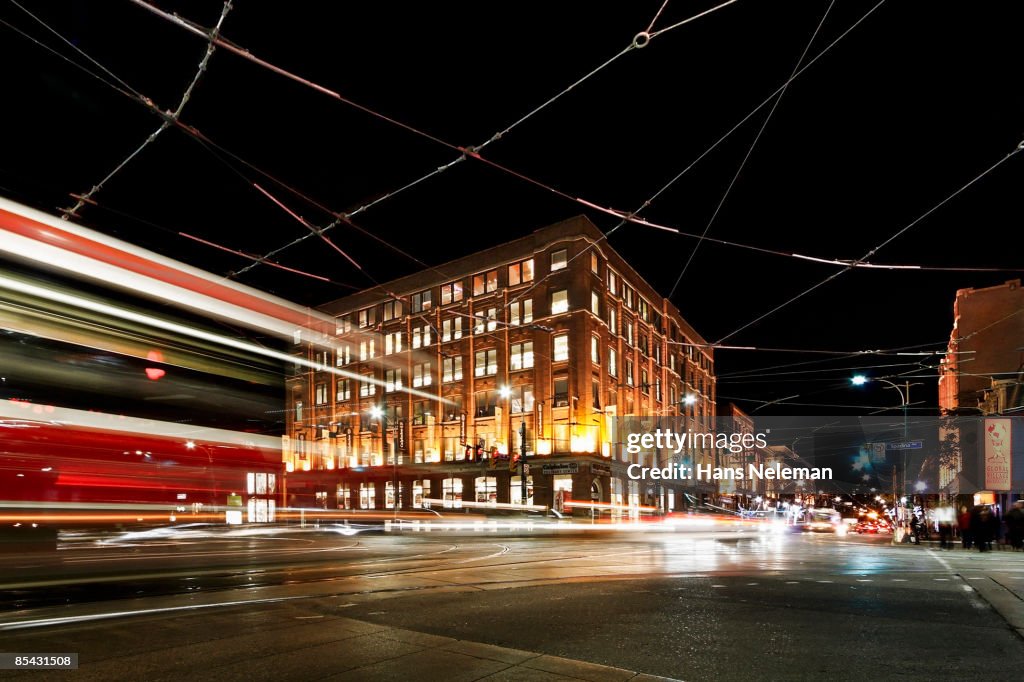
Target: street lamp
column 506, row 393
column 379, row 413
column 904, row 392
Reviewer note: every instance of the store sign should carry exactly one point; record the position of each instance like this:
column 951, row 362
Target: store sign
column 462, row 429
column 564, row 468
column 998, row 441
column 601, row 469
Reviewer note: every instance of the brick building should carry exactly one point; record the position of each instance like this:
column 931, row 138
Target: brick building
column 536, row 345
column 986, row 345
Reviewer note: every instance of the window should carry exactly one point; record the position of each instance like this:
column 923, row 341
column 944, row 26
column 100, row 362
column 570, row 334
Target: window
column 298, row 410
column 629, row 371
column 521, row 356
column 613, row 320
column 451, row 293
column 321, row 359
column 420, row 412
column 613, row 368
column 627, row 295
column 521, row 312
column 451, row 369
column 559, row 301
column 321, row 394
column 366, row 387
column 672, row 361
column 595, row 393
column 392, row 310
column 344, row 354
column 561, row 348
column 595, row 303
column 392, row 343
column 613, row 282
column 490, row 318
column 672, row 396
column 421, row 336
column 367, row 350
column 453, row 408
column 521, row 272
column 595, row 350
column 485, row 283
column 522, row 401
column 367, row 318
column 485, row 402
column 644, row 310
column 645, row 383
column 627, row 328
column 561, row 393
column 486, row 362
column 451, row 329
column 643, row 345
column 657, row 352
column 559, row 259
column 657, row 389
column 593, row 262
column 421, row 375
column 421, row 301
column 344, row 389
column 392, row 380
column 343, row 325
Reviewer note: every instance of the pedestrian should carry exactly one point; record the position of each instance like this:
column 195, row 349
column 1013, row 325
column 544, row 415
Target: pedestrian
column 1015, row 525
column 983, row 528
column 963, row 523
column 945, row 517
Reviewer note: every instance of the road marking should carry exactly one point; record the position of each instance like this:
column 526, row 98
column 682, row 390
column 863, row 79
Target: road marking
column 864, row 580
column 307, row 617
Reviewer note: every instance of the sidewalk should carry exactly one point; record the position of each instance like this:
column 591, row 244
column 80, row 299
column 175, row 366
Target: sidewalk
column 996, row 576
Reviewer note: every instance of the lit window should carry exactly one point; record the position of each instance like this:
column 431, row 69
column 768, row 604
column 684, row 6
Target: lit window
column 490, row 319
column 595, row 303
column 561, row 348
column 367, row 387
column 521, row 356
column 366, row 350
column 559, row 259
column 344, row 389
column 559, row 302
column 321, row 394
column 451, row 329
column 421, row 336
column 392, row 380
column 421, row 375
column 367, row 317
column 486, row 363
column 451, row 293
column 392, row 310
column 520, row 273
column 612, row 366
column 595, row 352
column 421, row 301
column 344, row 354
column 593, row 262
column 452, row 369
column 485, row 283
column 613, row 283
column 393, row 343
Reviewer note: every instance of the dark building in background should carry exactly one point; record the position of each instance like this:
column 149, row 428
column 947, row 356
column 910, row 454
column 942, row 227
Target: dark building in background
column 441, row 380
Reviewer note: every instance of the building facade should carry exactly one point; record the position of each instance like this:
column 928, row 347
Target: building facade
column 438, row 383
column 986, row 345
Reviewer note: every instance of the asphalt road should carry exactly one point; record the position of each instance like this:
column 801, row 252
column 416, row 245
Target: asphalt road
column 703, row 605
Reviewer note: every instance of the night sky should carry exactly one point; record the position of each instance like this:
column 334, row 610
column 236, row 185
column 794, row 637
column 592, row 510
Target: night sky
column 912, row 104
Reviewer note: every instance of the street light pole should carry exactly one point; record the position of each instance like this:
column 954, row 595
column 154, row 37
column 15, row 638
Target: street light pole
column 904, row 393
column 381, row 414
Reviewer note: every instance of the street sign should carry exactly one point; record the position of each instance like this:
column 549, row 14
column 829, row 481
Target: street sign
column 564, row 468
column 906, row 445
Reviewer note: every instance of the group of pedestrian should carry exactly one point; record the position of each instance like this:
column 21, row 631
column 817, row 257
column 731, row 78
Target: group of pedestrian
column 981, row 527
